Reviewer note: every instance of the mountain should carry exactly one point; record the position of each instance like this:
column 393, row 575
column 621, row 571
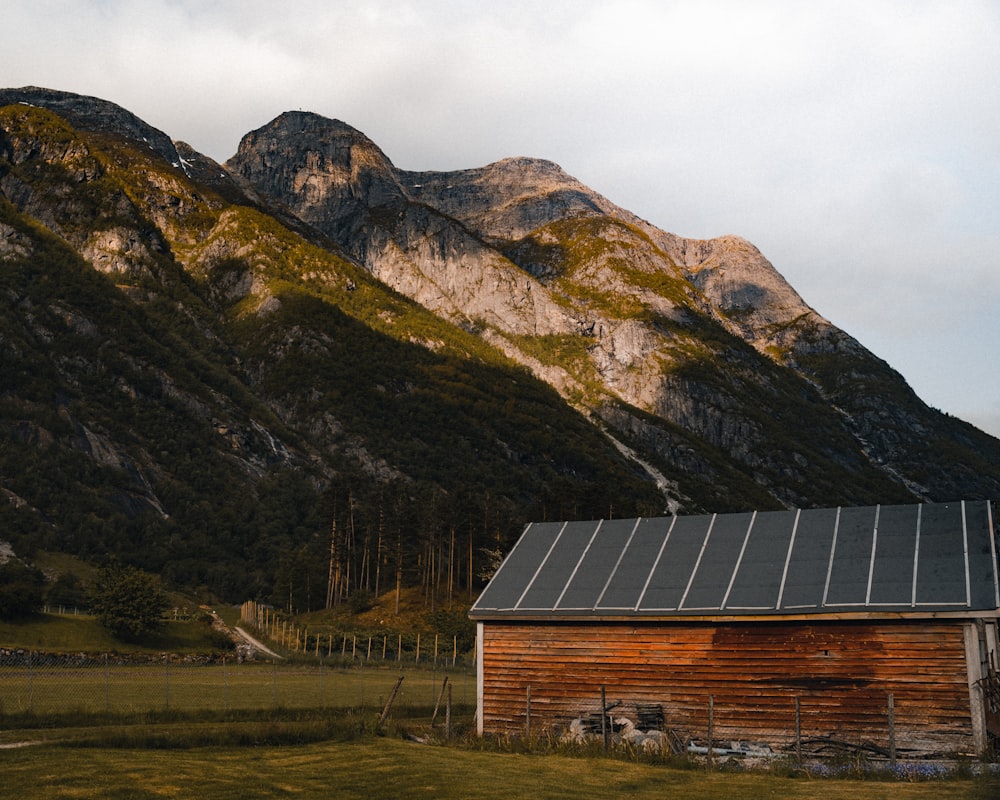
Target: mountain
column 698, row 353
column 308, row 363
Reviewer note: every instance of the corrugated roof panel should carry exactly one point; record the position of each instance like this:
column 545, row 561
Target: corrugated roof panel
column 629, row 579
column 587, row 584
column 510, row 580
column 852, row 557
column 891, row 558
column 758, row 581
column 560, row 563
column 718, row 561
column 809, row 563
column 895, row 551
column 941, row 561
column 671, row 576
column 985, row 591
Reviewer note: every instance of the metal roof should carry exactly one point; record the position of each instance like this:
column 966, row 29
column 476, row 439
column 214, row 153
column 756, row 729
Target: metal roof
column 928, row 558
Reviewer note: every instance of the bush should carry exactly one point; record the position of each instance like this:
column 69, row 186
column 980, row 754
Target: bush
column 20, row 589
column 128, row 602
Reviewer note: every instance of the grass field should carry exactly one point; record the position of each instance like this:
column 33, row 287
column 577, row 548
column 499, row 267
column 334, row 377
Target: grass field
column 130, row 688
column 307, row 729
column 74, row 633
column 371, row 768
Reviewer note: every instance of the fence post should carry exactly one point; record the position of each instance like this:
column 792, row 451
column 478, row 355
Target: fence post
column 107, row 685
column 31, row 684
column 388, row 703
column 892, row 730
column 604, row 719
column 711, row 724
column 166, row 681
column 437, row 703
column 447, row 716
column 527, row 715
column 798, row 731
column 361, row 667
column 225, row 685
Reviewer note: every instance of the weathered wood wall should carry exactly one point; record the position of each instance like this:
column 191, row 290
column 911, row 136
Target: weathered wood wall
column 842, row 673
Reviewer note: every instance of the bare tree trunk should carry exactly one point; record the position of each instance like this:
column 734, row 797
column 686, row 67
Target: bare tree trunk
column 472, row 536
column 451, row 566
column 431, row 560
column 399, row 565
column 378, row 551
column 329, row 575
column 333, row 574
column 349, row 554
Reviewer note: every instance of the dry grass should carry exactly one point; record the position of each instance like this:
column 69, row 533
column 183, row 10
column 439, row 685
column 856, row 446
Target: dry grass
column 392, row 768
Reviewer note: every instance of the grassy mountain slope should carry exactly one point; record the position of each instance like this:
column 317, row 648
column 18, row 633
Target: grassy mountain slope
column 198, row 388
column 308, row 362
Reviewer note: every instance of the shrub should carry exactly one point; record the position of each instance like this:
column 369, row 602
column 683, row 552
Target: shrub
column 128, row 602
column 20, row 589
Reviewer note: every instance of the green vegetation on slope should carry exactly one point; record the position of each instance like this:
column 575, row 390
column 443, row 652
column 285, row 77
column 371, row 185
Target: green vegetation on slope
column 155, row 414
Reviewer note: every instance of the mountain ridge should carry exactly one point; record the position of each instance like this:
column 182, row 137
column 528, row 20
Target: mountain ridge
column 525, row 208
column 212, row 362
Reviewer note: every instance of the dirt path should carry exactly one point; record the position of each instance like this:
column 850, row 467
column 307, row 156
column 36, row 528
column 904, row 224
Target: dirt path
column 258, row 645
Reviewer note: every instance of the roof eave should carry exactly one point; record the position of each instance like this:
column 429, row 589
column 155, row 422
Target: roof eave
column 821, row 616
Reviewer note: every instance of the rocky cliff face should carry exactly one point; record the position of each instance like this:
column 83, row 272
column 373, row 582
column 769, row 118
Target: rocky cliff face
column 196, row 352
column 700, row 336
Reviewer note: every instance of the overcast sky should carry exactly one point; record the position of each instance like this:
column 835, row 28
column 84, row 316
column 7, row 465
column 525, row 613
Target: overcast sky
column 857, row 144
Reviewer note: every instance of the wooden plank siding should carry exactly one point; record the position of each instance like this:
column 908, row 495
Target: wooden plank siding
column 842, row 673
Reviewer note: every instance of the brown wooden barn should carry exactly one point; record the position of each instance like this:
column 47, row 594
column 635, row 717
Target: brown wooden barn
column 872, row 626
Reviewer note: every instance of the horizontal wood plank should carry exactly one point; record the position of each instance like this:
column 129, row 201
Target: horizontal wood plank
column 841, row 672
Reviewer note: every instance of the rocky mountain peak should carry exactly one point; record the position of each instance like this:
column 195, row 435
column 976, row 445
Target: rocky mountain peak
column 506, row 199
column 311, row 162
column 94, row 114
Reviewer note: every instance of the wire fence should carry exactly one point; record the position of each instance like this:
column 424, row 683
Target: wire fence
column 44, row 684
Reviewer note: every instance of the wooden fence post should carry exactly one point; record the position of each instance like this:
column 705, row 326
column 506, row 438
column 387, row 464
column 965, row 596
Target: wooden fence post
column 892, row 729
column 388, row 703
column 437, row 704
column 798, row 731
column 447, row 716
column 711, row 724
column 527, row 715
column 604, row 719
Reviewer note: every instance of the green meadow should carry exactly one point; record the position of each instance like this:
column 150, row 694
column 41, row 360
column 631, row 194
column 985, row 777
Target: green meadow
column 370, row 767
